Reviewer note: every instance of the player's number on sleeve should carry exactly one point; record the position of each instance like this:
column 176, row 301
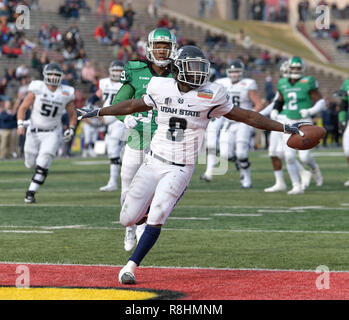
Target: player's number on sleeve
column 48, row 110
column 292, row 104
column 176, row 129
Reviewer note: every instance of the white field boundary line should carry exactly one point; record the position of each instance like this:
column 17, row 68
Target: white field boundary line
column 179, row 206
column 187, row 229
column 166, row 267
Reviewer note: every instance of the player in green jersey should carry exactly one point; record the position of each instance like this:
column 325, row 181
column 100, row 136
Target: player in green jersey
column 276, row 144
column 343, row 93
column 161, row 47
column 301, row 99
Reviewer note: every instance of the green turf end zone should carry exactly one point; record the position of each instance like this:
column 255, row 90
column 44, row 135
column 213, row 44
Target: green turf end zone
column 215, row 224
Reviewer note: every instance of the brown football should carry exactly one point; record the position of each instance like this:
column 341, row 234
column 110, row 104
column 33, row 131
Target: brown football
column 312, row 136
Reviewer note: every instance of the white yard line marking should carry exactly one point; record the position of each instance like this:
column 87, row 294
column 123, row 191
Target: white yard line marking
column 191, row 230
column 278, row 211
column 24, row 231
column 188, row 218
column 236, row 215
column 90, row 163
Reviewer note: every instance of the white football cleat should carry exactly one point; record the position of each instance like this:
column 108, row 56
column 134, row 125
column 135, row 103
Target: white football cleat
column 206, row 177
column 305, row 178
column 296, row 190
column 317, row 177
column 109, row 188
column 139, row 231
column 130, row 238
column 126, row 276
column 346, row 184
column 277, row 187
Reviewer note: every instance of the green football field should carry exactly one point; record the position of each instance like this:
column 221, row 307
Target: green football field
column 215, row 224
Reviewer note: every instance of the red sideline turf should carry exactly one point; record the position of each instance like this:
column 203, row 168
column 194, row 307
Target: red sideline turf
column 196, row 284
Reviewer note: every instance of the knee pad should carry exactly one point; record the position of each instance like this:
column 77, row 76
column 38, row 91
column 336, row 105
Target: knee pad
column 116, row 161
column 244, row 163
column 242, row 150
column 40, row 175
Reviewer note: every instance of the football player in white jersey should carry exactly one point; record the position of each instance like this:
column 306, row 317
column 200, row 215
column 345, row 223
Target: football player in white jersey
column 185, row 105
column 244, row 94
column 108, row 88
column 48, row 99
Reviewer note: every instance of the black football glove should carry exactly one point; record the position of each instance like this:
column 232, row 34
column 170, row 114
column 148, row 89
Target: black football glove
column 294, row 128
column 87, row 113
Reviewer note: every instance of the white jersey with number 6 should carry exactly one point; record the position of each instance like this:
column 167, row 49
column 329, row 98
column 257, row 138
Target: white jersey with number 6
column 239, row 91
column 48, row 106
column 183, row 117
column 109, row 90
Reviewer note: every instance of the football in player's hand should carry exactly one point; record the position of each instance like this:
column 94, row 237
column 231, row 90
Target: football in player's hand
column 312, row 136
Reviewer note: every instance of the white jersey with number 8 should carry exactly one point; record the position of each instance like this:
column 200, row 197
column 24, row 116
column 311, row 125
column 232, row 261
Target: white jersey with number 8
column 183, row 117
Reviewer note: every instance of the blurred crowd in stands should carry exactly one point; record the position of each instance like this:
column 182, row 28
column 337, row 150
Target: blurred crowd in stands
column 127, row 41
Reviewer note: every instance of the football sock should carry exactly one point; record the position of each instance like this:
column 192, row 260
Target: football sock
column 293, row 172
column 146, row 242
column 114, row 173
column 279, row 176
column 211, row 162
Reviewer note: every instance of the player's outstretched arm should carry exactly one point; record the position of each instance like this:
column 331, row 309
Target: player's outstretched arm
column 120, row 109
column 255, row 119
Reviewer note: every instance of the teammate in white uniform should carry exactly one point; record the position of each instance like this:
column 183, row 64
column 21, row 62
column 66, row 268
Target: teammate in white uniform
column 243, row 93
column 276, row 145
column 185, row 105
column 108, row 88
column 44, row 134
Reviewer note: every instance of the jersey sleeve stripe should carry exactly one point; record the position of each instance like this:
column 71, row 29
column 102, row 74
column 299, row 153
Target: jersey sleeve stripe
column 211, row 110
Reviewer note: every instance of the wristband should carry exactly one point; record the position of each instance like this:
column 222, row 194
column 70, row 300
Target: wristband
column 20, row 123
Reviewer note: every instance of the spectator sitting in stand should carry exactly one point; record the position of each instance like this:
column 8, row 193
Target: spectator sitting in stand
column 100, row 35
column 88, row 73
column 116, row 9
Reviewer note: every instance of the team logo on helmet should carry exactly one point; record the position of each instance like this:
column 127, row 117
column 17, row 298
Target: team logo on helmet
column 296, row 67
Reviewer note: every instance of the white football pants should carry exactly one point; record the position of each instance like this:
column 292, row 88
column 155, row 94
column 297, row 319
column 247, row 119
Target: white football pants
column 157, row 184
column 40, row 148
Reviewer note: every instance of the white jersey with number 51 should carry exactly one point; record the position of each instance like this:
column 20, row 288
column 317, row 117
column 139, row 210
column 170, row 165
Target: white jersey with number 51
column 48, row 106
column 183, row 117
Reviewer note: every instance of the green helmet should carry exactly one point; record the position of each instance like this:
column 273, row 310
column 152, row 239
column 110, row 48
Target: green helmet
column 296, row 67
column 161, row 35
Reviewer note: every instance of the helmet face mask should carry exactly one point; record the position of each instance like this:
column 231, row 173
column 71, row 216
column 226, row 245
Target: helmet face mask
column 53, row 74
column 161, row 47
column 236, row 71
column 191, row 67
column 296, row 68
column 115, row 69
